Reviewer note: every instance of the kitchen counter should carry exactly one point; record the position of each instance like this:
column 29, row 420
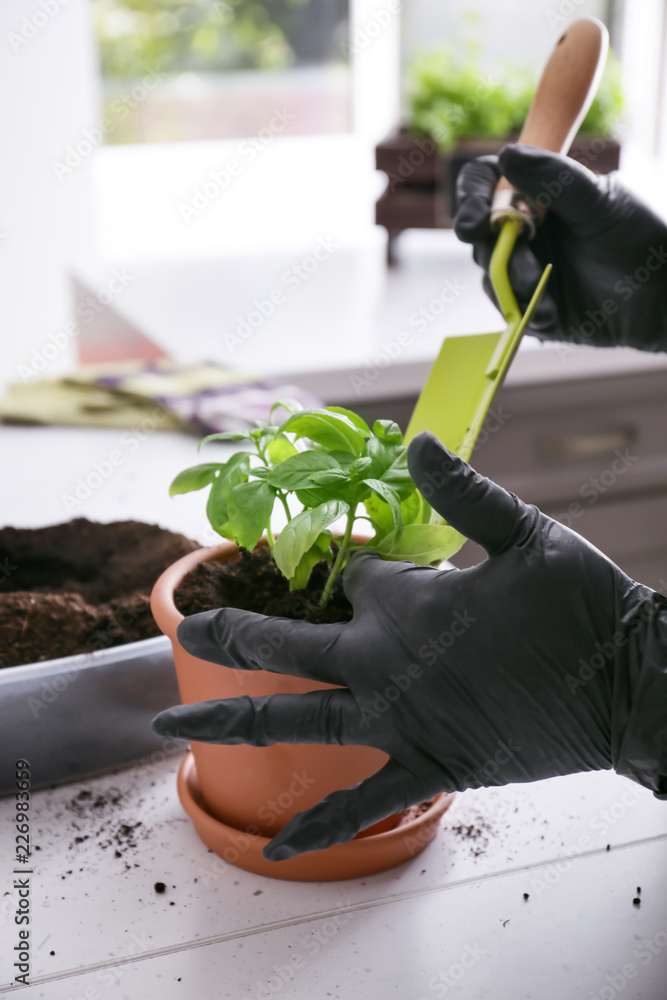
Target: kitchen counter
column 453, row 919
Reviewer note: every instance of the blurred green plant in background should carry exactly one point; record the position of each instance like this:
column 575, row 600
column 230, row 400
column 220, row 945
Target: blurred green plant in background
column 174, row 36
column 451, row 98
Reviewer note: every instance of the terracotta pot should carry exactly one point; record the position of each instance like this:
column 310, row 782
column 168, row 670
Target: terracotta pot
column 249, row 792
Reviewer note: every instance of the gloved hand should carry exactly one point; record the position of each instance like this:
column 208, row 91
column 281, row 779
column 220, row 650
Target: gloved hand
column 517, row 669
column 609, row 250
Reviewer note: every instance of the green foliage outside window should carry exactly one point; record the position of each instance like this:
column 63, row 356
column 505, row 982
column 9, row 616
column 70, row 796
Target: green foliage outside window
column 452, row 98
column 174, row 36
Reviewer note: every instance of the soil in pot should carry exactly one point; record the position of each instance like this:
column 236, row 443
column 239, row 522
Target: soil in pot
column 253, row 582
column 80, row 586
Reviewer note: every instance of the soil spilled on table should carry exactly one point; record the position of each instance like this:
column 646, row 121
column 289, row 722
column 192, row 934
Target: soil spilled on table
column 252, row 581
column 80, row 586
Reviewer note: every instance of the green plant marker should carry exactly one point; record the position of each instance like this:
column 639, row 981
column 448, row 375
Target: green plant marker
column 469, row 370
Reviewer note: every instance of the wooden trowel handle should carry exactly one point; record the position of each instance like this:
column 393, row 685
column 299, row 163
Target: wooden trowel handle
column 564, row 94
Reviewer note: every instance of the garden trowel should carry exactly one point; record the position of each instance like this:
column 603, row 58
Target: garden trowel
column 469, row 369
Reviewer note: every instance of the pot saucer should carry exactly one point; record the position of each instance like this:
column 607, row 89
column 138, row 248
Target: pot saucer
column 364, row 855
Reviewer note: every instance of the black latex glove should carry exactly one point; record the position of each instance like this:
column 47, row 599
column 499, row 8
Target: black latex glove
column 609, row 250
column 520, row 668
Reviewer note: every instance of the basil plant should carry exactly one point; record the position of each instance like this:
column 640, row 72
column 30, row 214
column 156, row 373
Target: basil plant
column 330, row 465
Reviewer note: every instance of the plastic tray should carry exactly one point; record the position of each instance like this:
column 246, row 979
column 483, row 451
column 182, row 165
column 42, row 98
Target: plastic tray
column 78, row 716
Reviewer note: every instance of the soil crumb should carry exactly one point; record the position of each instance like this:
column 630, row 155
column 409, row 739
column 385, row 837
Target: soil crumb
column 98, row 812
column 414, row 812
column 253, row 582
column 478, row 835
column 80, row 586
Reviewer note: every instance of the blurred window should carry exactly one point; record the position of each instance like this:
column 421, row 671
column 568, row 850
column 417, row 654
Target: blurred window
column 213, row 69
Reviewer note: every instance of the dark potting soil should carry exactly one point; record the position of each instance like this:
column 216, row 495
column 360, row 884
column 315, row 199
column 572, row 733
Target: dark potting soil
column 253, row 582
column 80, row 586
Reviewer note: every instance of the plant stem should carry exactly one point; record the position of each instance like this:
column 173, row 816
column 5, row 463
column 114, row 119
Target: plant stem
column 284, row 503
column 269, row 534
column 340, row 558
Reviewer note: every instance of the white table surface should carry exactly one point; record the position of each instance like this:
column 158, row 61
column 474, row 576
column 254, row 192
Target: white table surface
column 402, row 933
column 390, row 935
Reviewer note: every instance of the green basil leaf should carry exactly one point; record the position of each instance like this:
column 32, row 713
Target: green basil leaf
column 351, row 493
column 389, row 496
column 194, row 478
column 344, row 458
column 383, row 454
column 300, row 534
column 316, row 495
column 354, row 418
column 331, row 430
column 389, row 431
column 432, row 516
column 329, row 477
column 423, row 544
column 397, row 475
column 250, row 505
column 240, row 460
column 360, row 468
column 412, row 508
column 290, row 405
column 295, row 472
column 261, row 431
column 225, row 436
column 280, row 449
column 382, row 517
column 234, row 472
column 309, row 560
